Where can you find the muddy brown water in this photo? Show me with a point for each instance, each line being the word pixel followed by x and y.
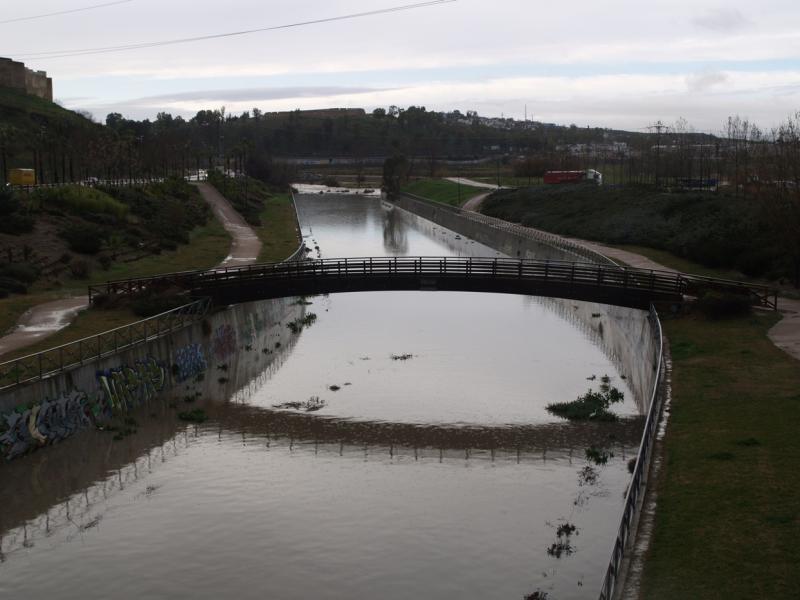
pixel 438 476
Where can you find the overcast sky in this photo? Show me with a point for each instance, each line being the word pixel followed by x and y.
pixel 614 63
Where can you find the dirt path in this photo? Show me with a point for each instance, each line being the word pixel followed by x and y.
pixel 475 203
pixel 246 246
pixel 45 319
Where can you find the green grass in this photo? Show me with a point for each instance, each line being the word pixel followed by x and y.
pixel 278 231
pixel 442 190
pixel 728 518
pixel 77 200
pixel 208 245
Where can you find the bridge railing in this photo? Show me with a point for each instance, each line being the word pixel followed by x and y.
pixel 578 273
pixel 40 365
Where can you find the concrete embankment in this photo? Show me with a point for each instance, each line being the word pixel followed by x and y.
pixel 211 359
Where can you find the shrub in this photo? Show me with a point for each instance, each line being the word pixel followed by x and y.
pixel 154 304
pixel 83 238
pixel 80 268
pixel 723 305
pixel 16 224
pixel 11 285
pixel 25 272
pixel 79 200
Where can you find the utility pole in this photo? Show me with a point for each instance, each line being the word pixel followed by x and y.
pixel 659 127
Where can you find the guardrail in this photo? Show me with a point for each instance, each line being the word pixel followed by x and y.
pixel 638 483
pixel 40 365
pixel 526 232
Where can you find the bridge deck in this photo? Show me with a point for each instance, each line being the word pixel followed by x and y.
pixel 575 280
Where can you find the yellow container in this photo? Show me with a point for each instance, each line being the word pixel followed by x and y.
pixel 22 177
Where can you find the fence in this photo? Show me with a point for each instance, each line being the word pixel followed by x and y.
pixel 638 484
pixel 40 365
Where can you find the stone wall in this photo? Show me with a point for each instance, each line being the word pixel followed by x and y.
pixel 15 75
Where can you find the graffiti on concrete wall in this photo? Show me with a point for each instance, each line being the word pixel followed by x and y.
pixel 46 423
pixel 126 387
pixel 118 391
pixel 223 342
pixel 190 361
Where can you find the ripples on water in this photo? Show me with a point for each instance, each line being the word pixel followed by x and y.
pixel 440 476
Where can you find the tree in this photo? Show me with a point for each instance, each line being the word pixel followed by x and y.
pixel 395 173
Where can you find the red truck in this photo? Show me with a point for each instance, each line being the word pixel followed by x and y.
pixel 573 176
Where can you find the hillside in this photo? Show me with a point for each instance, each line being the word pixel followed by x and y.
pixel 719 230
pixel 35 132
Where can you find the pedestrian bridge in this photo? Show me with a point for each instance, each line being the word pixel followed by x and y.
pixel 607 284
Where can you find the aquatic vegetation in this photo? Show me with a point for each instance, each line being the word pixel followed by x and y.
pixel 597 455
pixel 313 404
pixel 402 356
pixel 537 595
pixel 592 406
pixel 298 325
pixel 566 530
pixel 197 415
pixel 334 388
pixel 588 475
pixel 561 548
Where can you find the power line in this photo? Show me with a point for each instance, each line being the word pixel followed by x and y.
pixel 64 12
pixel 139 46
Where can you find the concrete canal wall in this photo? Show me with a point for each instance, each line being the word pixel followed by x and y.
pixel 626 335
pixel 211 359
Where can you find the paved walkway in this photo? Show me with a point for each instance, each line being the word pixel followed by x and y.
pixel 42 321
pixel 246 246
pixel 46 319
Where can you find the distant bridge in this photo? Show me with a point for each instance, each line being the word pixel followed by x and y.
pixel 621 286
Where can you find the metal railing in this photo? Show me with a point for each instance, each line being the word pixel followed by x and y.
pixel 661 284
pixel 638 483
pixel 40 365
pixel 536 235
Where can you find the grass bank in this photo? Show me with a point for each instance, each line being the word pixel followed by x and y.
pixel 442 190
pixel 728 518
pixel 719 231
pixel 278 231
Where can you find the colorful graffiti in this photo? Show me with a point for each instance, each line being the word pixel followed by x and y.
pixel 126 387
pixel 190 362
pixel 119 390
pixel 224 342
pixel 46 423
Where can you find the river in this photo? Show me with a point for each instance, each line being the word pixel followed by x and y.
pixel 397 447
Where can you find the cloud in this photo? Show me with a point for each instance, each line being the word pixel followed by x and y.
pixel 253 94
pixel 704 81
pixel 723 20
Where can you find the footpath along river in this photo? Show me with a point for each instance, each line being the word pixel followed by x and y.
pixel 397 447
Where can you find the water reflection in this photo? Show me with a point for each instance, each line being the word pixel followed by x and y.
pixel 436 477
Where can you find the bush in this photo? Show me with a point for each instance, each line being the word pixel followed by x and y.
pixel 83 238
pixel 723 305
pixel 79 200
pixel 80 268
pixel 16 224
pixel 14 286
pixel 154 304
pixel 25 272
